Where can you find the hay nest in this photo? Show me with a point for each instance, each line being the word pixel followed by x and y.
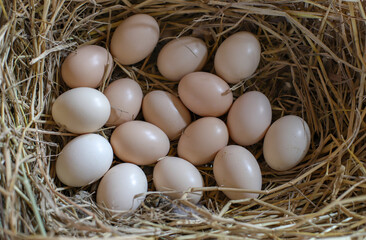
pixel 313 65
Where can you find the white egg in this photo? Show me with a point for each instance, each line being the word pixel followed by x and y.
pixel 120 186
pixel 81 110
pixel 84 160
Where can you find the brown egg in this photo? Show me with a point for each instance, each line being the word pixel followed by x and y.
pixel 249 118
pixel 166 111
pixel 237 57
pixel 86 67
pixel 182 56
pixel 177 175
pixel 236 167
pixel 134 39
pixel 139 142
pixel 205 94
pixel 125 96
pixel 202 139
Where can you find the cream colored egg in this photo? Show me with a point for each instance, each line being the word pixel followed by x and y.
pixel 122 188
pixel 237 57
pixel 236 167
pixel 182 56
pixel 125 96
pixel 134 39
pixel 177 175
pixel 249 118
pixel 166 111
pixel 139 142
pixel 286 142
pixel 202 139
pixel 81 110
pixel 84 160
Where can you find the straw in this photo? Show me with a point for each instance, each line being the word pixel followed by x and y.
pixel 312 65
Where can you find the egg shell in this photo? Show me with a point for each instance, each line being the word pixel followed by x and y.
pixel 249 118
pixel 84 160
pixel 87 66
pixel 125 96
pixel 237 57
pixel 166 111
pixel 81 110
pixel 202 139
pixel 134 39
pixel 178 175
pixel 286 142
pixel 118 189
pixel 139 142
pixel 182 56
pixel 235 167
pixel 205 94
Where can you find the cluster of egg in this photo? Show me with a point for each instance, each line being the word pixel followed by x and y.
pixel 84 110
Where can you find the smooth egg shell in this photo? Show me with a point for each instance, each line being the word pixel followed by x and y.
pixel 84 160
pixel 166 111
pixel 139 142
pixel 179 175
pixel 81 110
pixel 202 139
pixel 87 66
pixel 182 56
pixel 118 189
pixel 286 142
pixel 235 167
pixel 125 96
pixel 237 57
pixel 205 94
pixel 249 118
pixel 134 39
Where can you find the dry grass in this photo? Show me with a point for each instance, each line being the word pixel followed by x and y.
pixel 313 65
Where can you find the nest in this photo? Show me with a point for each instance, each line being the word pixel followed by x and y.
pixel 313 65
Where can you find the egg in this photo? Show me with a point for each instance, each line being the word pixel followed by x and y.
pixel 286 142
pixel 181 56
pixel 84 160
pixel 177 175
pixel 122 188
pixel 202 139
pixel 139 142
pixel 134 39
pixel 81 110
pixel 166 111
pixel 235 167
pixel 237 57
pixel 249 118
pixel 205 94
pixel 87 67
pixel 125 96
